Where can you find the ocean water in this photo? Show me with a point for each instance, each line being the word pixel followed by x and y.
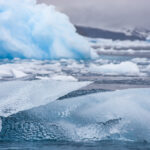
pixel 59 90
pixel 103 145
pixel 91 114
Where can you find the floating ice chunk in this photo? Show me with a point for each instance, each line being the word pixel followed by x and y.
pixel 11 70
pixel 21 95
pixel 147 68
pixel 140 60
pixel 42 78
pixel 5 73
pixel 118 43
pixel 124 68
pixel 63 78
pixel 131 51
pixel 18 74
pixel 118 115
pixel 30 30
pixel 132 106
pixel 58 77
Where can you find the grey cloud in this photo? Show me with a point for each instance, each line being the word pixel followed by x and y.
pixel 105 13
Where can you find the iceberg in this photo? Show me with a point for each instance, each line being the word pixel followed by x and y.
pixel 123 68
pixel 17 96
pixel 38 31
pixel 119 115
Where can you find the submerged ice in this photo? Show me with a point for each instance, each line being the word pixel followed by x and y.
pixel 30 30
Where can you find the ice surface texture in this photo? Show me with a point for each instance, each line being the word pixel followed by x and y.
pixel 30 30
pixel 120 115
pixel 21 95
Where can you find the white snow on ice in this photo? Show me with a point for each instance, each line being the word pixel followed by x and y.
pixel 123 68
pixel 21 95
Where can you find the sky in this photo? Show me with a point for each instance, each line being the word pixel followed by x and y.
pixel 112 14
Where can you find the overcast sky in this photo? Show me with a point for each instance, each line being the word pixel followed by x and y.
pixel 106 13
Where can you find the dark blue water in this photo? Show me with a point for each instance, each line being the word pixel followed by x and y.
pixel 47 145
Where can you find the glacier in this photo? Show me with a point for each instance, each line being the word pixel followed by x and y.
pixel 38 31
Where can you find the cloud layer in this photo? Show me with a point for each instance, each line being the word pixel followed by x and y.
pixel 106 13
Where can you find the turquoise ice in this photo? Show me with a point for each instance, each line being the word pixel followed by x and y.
pixel 38 31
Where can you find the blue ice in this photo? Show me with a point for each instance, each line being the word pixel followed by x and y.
pixel 38 31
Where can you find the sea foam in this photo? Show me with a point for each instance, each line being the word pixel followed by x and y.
pixel 39 31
